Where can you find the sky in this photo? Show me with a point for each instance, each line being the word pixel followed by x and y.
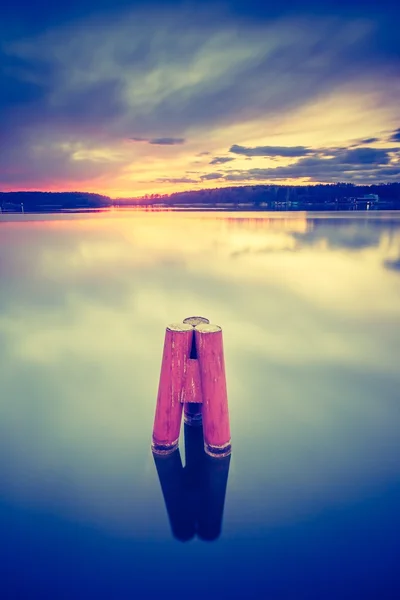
pixel 132 98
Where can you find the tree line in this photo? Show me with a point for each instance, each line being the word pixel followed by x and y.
pixel 270 197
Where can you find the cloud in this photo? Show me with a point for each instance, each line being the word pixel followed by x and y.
pixel 164 141
pixel 183 72
pixel 87 81
pixel 392 264
pixel 167 141
pixel 286 151
pixel 211 176
pixel 358 165
pixel 45 160
pixel 395 137
pixel 220 160
pixel 371 140
pixel 176 180
pixel 363 156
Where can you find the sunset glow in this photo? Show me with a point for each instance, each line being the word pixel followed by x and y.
pixel 136 100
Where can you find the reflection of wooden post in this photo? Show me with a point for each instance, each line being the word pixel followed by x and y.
pixel 167 421
pixel 195 495
pixel 209 346
pixel 181 513
pixel 212 498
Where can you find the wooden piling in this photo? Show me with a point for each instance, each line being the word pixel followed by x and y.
pixel 168 415
pixel 195 320
pixel 209 346
pixel 192 396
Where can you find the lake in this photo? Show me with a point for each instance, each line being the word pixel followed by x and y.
pixel 310 311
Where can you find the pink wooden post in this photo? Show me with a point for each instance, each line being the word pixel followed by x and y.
pixel 195 320
pixel 167 420
pixel 192 396
pixel 210 352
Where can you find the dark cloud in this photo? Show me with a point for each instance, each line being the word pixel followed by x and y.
pixel 317 174
pixel 358 165
pixel 134 49
pixel 395 137
pixel 288 151
pixel 89 106
pixel 220 160
pixel 16 86
pixel 371 140
pixel 167 141
pixel 392 264
pixel 363 156
pixel 93 71
pixel 211 176
pixel 45 13
pixel 164 141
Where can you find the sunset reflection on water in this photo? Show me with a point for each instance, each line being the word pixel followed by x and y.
pixel 311 318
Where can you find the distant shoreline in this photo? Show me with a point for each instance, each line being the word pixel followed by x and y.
pixel 199 209
pixel 269 198
pixel 234 213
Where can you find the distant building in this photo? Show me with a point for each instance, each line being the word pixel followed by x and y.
pixel 368 198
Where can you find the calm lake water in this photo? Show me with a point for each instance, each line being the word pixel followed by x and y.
pixel 310 309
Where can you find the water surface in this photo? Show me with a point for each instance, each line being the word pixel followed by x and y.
pixel 311 317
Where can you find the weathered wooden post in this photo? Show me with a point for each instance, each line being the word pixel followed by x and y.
pixel 192 375
pixel 192 397
pixel 195 320
pixel 168 416
pixel 210 352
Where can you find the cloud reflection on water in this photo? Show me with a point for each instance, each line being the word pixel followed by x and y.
pixel 311 322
